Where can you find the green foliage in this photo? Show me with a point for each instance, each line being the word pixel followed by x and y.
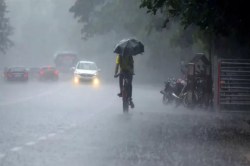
pixel 223 22
pixel 215 17
pixel 126 16
pixel 100 17
pixel 120 15
pixel 5 29
pixel 83 9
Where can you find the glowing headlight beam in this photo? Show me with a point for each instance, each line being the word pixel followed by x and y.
pixel 76 80
pixel 96 81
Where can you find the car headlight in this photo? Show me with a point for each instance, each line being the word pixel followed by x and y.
pixel 96 81
pixel 76 80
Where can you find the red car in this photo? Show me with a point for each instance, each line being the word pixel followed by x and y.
pixel 48 73
pixel 16 74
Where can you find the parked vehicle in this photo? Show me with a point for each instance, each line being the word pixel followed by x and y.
pixel 16 74
pixel 168 90
pixel 181 93
pixel 176 91
pixel 48 73
pixel 197 91
pixel 34 72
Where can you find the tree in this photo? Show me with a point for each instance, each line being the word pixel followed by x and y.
pixel 5 28
pixel 120 15
pixel 84 11
pixel 126 18
pixel 100 17
pixel 217 18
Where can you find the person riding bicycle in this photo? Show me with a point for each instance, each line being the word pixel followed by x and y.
pixel 126 66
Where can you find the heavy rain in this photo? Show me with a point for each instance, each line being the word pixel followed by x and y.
pixel 124 83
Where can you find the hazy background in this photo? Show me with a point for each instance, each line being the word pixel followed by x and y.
pixel 44 27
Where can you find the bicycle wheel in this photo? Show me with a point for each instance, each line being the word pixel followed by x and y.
pixel 125 101
pixel 125 106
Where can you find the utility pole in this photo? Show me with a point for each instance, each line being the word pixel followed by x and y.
pixel 210 47
pixel 211 42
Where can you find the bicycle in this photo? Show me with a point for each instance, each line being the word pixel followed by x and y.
pixel 125 90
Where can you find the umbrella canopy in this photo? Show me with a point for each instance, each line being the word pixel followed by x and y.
pixel 127 47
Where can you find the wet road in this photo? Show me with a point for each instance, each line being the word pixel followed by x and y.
pixel 58 123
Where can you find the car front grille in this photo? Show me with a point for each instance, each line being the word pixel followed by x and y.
pixel 86 75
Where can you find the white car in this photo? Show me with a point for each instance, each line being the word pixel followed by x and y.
pixel 86 71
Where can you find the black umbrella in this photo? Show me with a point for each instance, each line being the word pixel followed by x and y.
pixel 127 47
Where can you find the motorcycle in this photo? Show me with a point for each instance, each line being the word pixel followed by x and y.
pixel 168 90
pixel 183 95
pixel 179 92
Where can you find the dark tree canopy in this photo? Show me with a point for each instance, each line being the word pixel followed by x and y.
pixel 102 16
pixel 219 17
pixel 224 22
pixel 5 29
pixel 84 8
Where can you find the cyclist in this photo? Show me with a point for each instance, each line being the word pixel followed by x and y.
pixel 126 66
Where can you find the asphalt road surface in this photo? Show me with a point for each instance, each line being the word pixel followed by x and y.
pixel 62 124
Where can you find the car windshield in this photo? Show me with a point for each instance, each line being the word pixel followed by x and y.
pixel 48 68
pixel 17 69
pixel 34 69
pixel 87 66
